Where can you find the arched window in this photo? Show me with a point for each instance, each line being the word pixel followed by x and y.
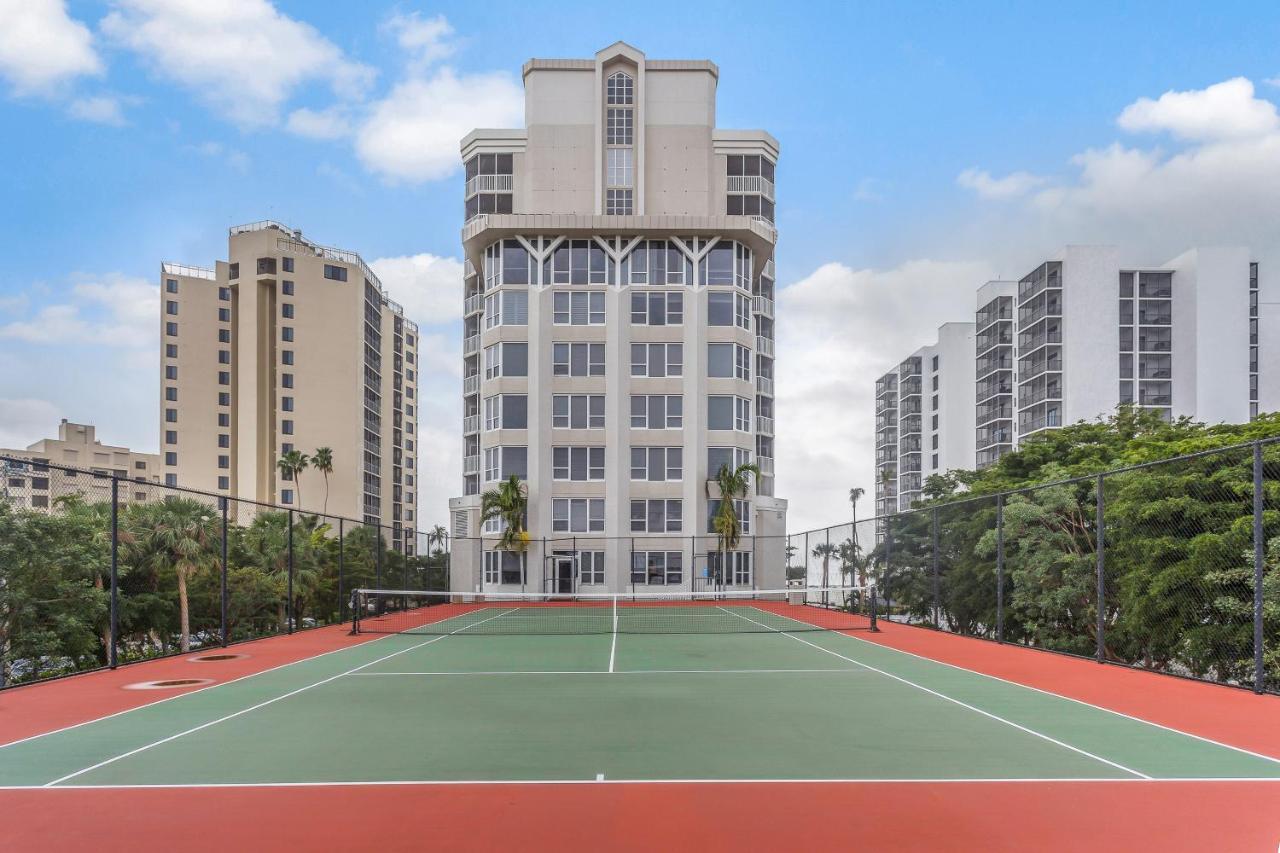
pixel 620 89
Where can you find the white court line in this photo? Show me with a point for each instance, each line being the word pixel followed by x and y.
pixel 355 783
pixel 218 684
pixel 613 672
pixel 613 649
pixel 1208 740
pixel 235 714
pixel 944 696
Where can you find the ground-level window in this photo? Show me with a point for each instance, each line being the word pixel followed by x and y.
pixel 738 570
pixel 503 567
pixel 657 567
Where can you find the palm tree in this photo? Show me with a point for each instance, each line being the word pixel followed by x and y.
pixel 732 483
pixel 826 551
pixel 178 535
pixel 291 466
pixel 507 503
pixel 440 537
pixel 854 495
pixel 322 461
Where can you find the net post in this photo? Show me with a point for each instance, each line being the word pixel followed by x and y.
pixel 289 603
pixel 826 561
pixel 1259 671
pixel 1101 558
pixel 342 601
pixel 1000 568
pixel 113 658
pixel 355 611
pixel 873 592
pixel 888 564
pixel 614 600
pixel 224 591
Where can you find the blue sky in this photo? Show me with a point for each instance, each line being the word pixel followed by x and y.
pixel 926 147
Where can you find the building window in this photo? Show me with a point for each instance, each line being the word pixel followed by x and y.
pixel 577 359
pixel 657 309
pixel 577 515
pixel 504 567
pixel 577 411
pixel 170 458
pixel 224 440
pixel 657 516
pixel 171 285
pixel 224 294
pixel 286 310
pixel 657 360
pixel 334 272
pixel 728 361
pixel 578 309
pixel 729 413
pixel 620 89
pixel 737 570
pixel 233 271
pixel 171 394
pixel 618 202
pixel 224 462
pixel 286 380
pixel 726 457
pixel 224 377
pixel 741 508
pixel 619 163
pixel 657 568
pixel 657 411
pixel 578 464
pixel 286 427
pixel 619 126
pixel 505 359
pixel 286 403
pixel 171 350
pixel 286 356
pixel 224 420
pixel 171 416
pixel 935 363
pixel 224 482
pixel 506 308
pixel 503 462
pixel 286 496
pixel 729 309
pixel 504 411
pixel 224 336
pixel 171 329
pixel 171 479
pixel 286 333
pixel 171 308
pixel 657 464
pixel 171 371
pixel 287 265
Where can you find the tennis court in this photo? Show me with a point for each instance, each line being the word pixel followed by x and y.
pixel 737 691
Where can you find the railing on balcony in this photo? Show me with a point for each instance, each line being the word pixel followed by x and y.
pixel 990 412
pixel 910 446
pixel 1028 370
pixel 471 465
pixel 1030 395
pixel 1003 336
pixel 910 407
pixel 910 388
pixel 471 345
pixel 766 465
pixel 1154 318
pixel 886 437
pixel 473 305
pixel 989 364
pixel 751 184
pixel 1155 399
pixel 764 385
pixel 471 385
pixel 762 305
pixel 764 425
pixel 1154 372
pixel 987 390
pixel 188 271
pixel 490 184
pixel 1048 421
pixel 1145 345
pixel 764 345
pixel 470 424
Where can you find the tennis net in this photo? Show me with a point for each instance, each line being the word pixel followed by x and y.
pixel 386 611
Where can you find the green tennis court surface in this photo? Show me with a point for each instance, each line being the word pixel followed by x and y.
pixel 613 706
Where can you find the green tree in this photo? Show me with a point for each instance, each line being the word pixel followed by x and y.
pixel 291 465
pixel 439 537
pixel 731 484
pixel 508 504
pixel 826 550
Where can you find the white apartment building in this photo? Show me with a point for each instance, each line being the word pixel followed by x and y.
pixel 995 371
pixel 618 332
pixel 925 417
pixel 290 345
pixel 29 482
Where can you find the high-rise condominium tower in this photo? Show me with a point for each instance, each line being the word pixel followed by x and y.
pixel 619 334
pixel 290 345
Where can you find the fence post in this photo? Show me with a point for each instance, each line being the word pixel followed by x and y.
pixel 1259 671
pixel 1000 568
pixel 1100 504
pixel 223 615
pixel 826 561
pixel 888 565
pixel 937 583
pixel 342 601
pixel 112 653
pixel 377 559
pixel 289 605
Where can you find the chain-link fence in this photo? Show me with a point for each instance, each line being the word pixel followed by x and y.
pixel 99 569
pixel 1170 566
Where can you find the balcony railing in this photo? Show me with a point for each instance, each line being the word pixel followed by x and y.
pixel 990 412
pixel 910 388
pixel 471 465
pixel 764 425
pixel 1030 395
pixel 473 305
pixel 1154 318
pixel 1030 369
pixel 188 271
pixel 766 465
pixel 490 184
pixel 762 305
pixel 910 407
pixel 470 424
pixel 751 184
pixel 764 345
pixel 471 345
pixel 991 363
pixel 471 385
pixel 1155 400
pixel 1145 345
pixel 764 385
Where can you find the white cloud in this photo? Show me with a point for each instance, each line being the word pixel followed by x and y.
pixel 1010 186
pixel 101 109
pixel 425 41
pixel 42 48
pixel 24 421
pixel 839 329
pixel 244 57
pixel 412 134
pixel 331 123
pixel 439 453
pixel 1226 110
pixel 428 286
pixel 114 310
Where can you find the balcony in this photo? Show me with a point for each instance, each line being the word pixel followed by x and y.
pixel 764 346
pixel 1155 399
pixel 910 407
pixel 470 465
pixel 910 445
pixel 751 184
pixel 993 362
pixel 886 437
pixel 1031 341
pixel 490 184
pixel 766 465
pixel 473 305
pixel 1029 369
pixel 909 368
pixel 762 305
pixel 471 345
pixel 910 388
pixel 989 389
pixel 764 425
pixel 471 385
pixel 1029 395
pixel 987 340
pixel 470 424
pixel 993 412
pixel 764 385
pixel 1154 318
pixel 886 385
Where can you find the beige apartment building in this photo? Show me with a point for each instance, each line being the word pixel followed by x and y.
pixel 290 345
pixel 618 331
pixel 29 482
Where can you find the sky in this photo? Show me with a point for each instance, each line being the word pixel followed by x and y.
pixel 926 148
